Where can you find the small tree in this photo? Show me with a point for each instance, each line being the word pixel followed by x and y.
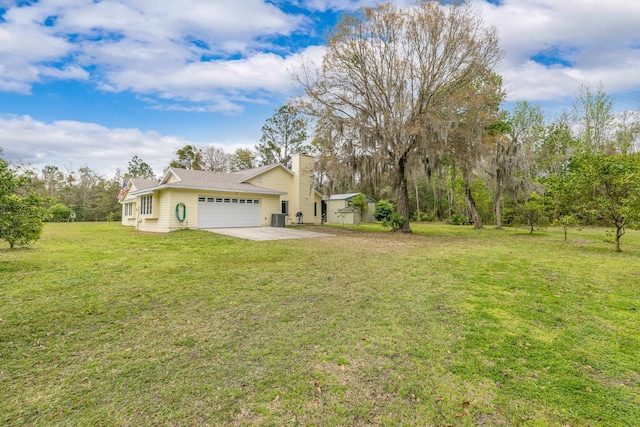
pixel 20 217
pixel 567 221
pixel 564 210
pixel 606 188
pixel 533 212
pixel 360 202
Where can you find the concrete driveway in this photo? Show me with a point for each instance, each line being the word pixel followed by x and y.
pixel 268 233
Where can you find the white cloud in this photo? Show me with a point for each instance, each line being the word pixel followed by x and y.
pixel 152 48
pixel 203 81
pixel 72 144
pixel 345 5
pixel 208 55
pixel 23 52
pixel 597 42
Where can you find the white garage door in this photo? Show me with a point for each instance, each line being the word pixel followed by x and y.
pixel 220 212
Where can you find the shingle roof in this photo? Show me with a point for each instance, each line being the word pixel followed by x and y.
pixel 143 184
pixel 342 196
pixel 350 196
pixel 205 180
pixel 250 173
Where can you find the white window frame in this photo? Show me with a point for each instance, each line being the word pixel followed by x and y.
pixel 128 209
pixel 146 205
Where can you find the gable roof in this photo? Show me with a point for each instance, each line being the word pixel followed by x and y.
pixel 247 174
pixel 349 196
pixel 143 184
pixel 205 180
pixel 136 186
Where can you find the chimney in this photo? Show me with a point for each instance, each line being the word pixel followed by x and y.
pixel 303 166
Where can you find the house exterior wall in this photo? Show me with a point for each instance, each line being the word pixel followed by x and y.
pixel 334 217
pixel 166 200
pixel 332 211
pixel 298 184
pixel 304 194
pixel 367 216
pixel 154 221
pixel 129 220
pixel 317 208
pixel 351 218
pixel 171 179
pixel 297 188
pixel 276 179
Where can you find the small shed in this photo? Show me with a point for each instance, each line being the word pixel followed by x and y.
pixel 340 211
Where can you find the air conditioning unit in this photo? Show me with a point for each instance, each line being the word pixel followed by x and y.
pixel 278 220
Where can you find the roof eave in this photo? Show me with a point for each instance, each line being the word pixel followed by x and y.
pixel 257 190
pixel 260 172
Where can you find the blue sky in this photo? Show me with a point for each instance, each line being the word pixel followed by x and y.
pixel 91 83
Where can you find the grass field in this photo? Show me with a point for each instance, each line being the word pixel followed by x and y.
pixel 100 325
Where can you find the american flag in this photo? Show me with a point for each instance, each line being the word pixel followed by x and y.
pixel 123 191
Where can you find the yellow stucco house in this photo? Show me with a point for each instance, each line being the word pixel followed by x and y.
pixel 200 199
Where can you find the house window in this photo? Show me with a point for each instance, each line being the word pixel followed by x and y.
pixel 128 209
pixel 146 205
pixel 285 207
pixel 315 208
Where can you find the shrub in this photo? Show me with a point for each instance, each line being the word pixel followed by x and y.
pixel 21 219
pixel 383 210
pixel 457 219
pixel 395 221
pixel 59 213
pixel 386 213
pixel 423 216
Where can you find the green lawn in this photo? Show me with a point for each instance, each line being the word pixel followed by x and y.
pixel 100 325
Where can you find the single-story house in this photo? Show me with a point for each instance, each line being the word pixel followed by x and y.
pixel 340 211
pixel 201 199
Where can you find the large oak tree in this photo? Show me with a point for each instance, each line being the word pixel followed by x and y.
pixel 389 79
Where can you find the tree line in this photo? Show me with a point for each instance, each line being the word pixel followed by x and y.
pixel 283 134
pixel 407 107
